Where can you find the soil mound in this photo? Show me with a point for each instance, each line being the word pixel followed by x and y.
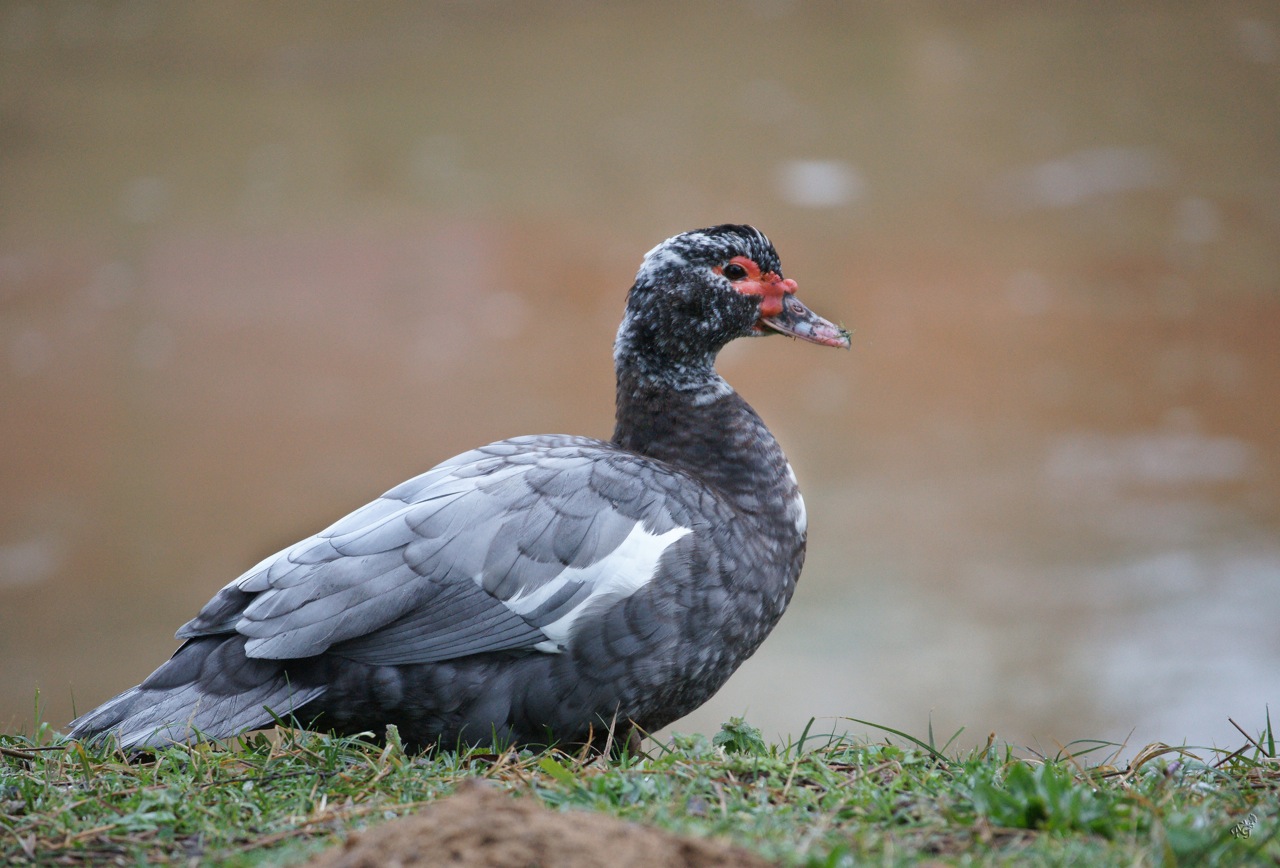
pixel 483 827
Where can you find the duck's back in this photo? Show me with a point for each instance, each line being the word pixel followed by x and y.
pixel 536 586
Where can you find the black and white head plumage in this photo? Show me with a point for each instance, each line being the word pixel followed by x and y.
pixel 681 311
pixel 711 246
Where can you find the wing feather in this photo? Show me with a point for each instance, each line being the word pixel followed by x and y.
pixel 502 548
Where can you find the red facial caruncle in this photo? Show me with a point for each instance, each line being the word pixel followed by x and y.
pixel 769 286
pixel 780 310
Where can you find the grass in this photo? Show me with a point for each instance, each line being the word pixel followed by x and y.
pixel 818 801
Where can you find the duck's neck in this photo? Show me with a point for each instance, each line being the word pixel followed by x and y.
pixel 698 423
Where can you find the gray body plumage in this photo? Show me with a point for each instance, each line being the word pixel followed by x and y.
pixel 534 590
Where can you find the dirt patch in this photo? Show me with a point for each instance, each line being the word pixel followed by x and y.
pixel 482 827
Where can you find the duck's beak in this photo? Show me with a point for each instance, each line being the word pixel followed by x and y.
pixel 799 322
pixel 781 311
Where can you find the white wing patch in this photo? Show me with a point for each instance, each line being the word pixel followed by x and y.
pixel 625 570
pixel 795 509
pixel 796 512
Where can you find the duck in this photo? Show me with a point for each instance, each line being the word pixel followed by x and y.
pixel 541 590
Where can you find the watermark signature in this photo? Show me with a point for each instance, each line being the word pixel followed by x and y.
pixel 1245 827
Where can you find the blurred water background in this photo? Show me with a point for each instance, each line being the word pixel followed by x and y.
pixel 259 264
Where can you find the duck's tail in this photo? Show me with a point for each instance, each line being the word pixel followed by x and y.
pixel 209 688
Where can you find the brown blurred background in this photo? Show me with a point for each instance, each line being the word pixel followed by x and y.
pixel 259 264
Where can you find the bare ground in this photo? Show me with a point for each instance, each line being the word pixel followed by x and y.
pixel 480 826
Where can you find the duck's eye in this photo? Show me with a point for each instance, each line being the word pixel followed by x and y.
pixel 734 271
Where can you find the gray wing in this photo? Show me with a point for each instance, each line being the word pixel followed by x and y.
pixel 501 548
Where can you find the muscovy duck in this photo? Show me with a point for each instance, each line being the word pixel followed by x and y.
pixel 538 590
